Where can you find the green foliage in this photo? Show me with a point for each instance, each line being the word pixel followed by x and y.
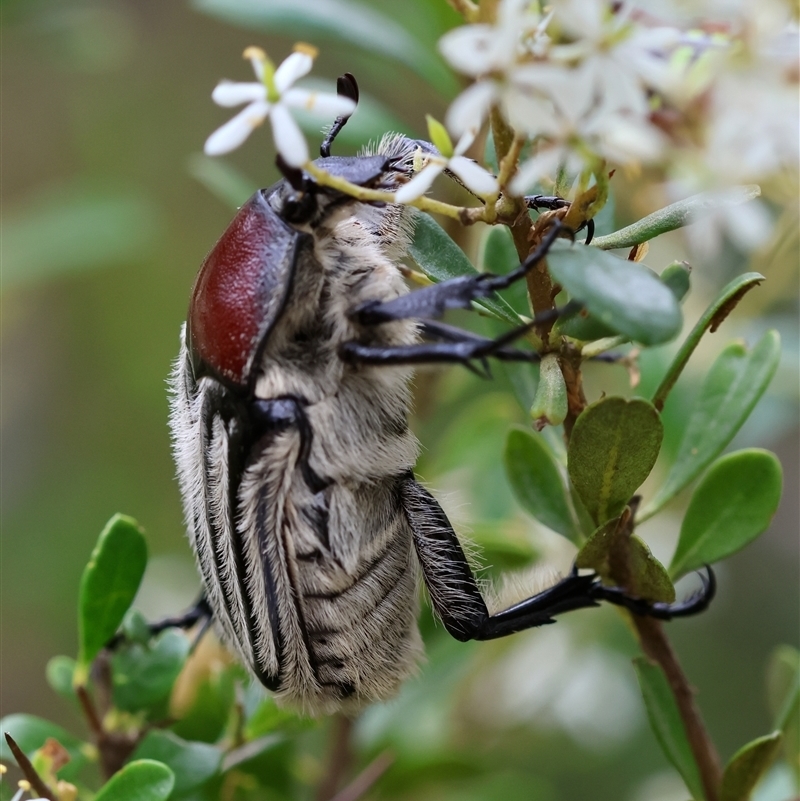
pixel 665 721
pixel 440 258
pixel 676 215
pixel 144 673
pixel 623 296
pixel 143 780
pixel 613 448
pixel 747 766
pixel 730 507
pixel 537 482
pixel 649 578
pixel 738 378
pixel 108 586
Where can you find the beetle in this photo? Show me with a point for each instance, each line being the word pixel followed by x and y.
pixel 289 418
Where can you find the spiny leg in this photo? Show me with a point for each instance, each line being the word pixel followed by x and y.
pixel 457 599
pixel 551 203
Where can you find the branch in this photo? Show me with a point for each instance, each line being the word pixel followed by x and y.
pixel 366 779
pixel 340 757
pixel 657 647
pixel 35 781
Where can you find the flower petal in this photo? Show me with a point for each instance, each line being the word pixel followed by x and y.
pixel 230 93
pixel 471 106
pixel 236 130
pixel 289 139
pixel 325 104
pixel 291 69
pixel 545 162
pixel 469 49
pixel 475 178
pixel 420 183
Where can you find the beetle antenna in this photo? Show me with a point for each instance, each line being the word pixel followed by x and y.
pixel 346 86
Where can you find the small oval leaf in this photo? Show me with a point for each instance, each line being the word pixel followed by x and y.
pixel 537 483
pixel 440 258
pixel 143 675
pixel 648 577
pixel 31 732
pixel 624 296
pixel 731 506
pixel 192 763
pixel 108 586
pixel 677 277
pixel 747 766
pixel 59 673
pixel 733 386
pixel 549 407
pixel 665 721
pixel 143 780
pixel 613 448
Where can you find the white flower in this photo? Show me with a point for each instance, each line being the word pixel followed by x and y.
pixel 473 176
pixel 273 96
pixel 493 53
pixel 480 49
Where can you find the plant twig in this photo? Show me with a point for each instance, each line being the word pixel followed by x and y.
pixel 657 647
pixel 367 778
pixel 466 8
pixel 340 757
pixel 34 779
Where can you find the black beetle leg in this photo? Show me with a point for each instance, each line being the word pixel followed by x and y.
pixel 698 602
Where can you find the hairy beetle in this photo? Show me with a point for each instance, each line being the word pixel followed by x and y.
pixel 293 449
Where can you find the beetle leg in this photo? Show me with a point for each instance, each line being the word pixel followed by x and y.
pixel 455 293
pixel 457 599
pixel 551 202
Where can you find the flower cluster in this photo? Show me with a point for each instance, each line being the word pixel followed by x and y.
pixel 590 85
pixel 592 82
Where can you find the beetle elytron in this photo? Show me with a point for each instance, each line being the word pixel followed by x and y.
pixel 289 420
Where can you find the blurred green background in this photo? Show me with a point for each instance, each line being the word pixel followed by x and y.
pixel 107 214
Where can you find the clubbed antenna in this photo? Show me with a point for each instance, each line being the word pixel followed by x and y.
pixel 346 86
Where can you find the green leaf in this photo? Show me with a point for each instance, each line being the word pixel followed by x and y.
pixel 143 780
pixel 549 407
pixel 537 482
pixel 665 721
pixel 59 672
pixel 143 675
pixel 31 732
pixel 613 448
pixel 440 258
pixel 676 215
pixel 192 763
pixel 648 577
pixel 108 586
pixel 268 717
pixel 583 327
pixel 721 307
pixel 747 766
pixel 737 379
pixel 783 697
pixel 353 22
pixel 623 295
pixel 730 507
pixel 499 256
pixel 677 277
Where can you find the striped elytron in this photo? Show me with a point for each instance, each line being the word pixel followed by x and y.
pixel 289 418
